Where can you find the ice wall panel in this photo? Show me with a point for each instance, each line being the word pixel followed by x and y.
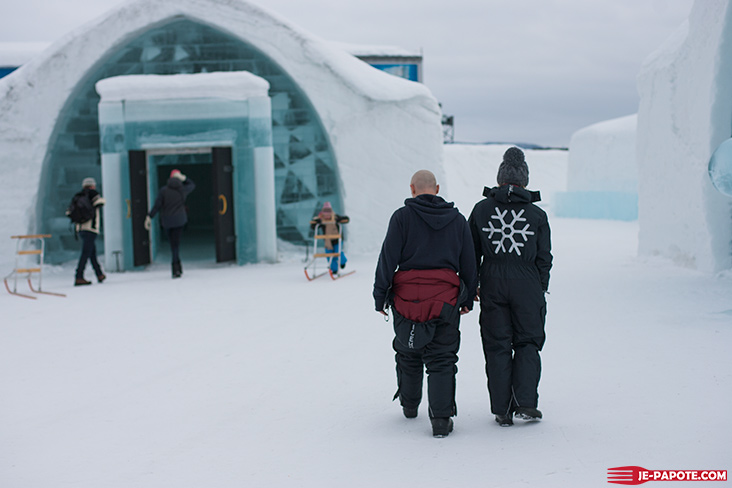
pixel 596 205
pixel 114 212
pixel 176 110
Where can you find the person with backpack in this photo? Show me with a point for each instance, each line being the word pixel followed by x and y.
pixel 84 214
pixel 171 203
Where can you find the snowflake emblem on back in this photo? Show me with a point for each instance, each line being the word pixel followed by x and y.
pixel 507 231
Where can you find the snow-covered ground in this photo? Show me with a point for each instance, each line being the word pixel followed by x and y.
pixel 252 376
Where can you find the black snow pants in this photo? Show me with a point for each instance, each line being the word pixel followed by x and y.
pixel 512 318
pixel 433 344
pixel 174 237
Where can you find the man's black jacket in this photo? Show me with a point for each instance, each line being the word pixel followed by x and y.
pixel 426 233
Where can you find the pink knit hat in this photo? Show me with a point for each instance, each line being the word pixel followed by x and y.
pixel 327 210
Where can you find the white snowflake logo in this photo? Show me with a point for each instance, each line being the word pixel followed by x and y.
pixel 507 232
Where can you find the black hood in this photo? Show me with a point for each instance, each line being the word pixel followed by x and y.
pixel 434 210
pixel 175 183
pixel 512 194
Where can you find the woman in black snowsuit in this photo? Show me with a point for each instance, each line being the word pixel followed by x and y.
pixel 171 203
pixel 513 249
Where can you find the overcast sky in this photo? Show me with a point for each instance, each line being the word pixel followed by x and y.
pixel 508 70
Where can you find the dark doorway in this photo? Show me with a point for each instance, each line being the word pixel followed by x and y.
pixel 138 207
pixel 198 241
pixel 210 232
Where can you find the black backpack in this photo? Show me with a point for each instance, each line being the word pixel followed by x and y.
pixel 80 209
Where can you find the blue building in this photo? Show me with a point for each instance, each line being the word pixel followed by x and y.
pixel 393 60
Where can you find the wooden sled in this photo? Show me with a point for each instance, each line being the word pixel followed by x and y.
pixel 29 271
pixel 311 272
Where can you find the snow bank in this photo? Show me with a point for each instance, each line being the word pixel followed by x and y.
pixel 602 156
pixel 602 177
pixel 684 115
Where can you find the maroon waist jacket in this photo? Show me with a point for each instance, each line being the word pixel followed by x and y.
pixel 419 294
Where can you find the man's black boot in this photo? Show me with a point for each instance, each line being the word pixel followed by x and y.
pixel 441 427
pixel 410 412
pixel 504 420
pixel 527 413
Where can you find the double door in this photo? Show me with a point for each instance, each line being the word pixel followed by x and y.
pixel 221 180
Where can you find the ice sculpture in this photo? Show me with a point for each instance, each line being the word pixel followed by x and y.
pixel 720 168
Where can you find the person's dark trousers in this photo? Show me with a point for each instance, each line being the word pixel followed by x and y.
pixel 174 237
pixel 512 329
pixel 88 253
pixel 440 359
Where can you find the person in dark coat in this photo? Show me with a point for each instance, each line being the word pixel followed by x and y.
pixel 171 203
pixel 427 274
pixel 88 231
pixel 513 249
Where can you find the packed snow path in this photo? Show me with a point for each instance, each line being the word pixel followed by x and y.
pixel 252 376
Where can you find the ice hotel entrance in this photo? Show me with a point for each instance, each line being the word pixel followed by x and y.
pixel 337 126
pixel 214 127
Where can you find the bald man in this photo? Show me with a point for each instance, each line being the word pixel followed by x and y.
pixel 427 275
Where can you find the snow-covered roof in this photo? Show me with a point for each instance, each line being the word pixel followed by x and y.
pixel 365 50
pixel 233 85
